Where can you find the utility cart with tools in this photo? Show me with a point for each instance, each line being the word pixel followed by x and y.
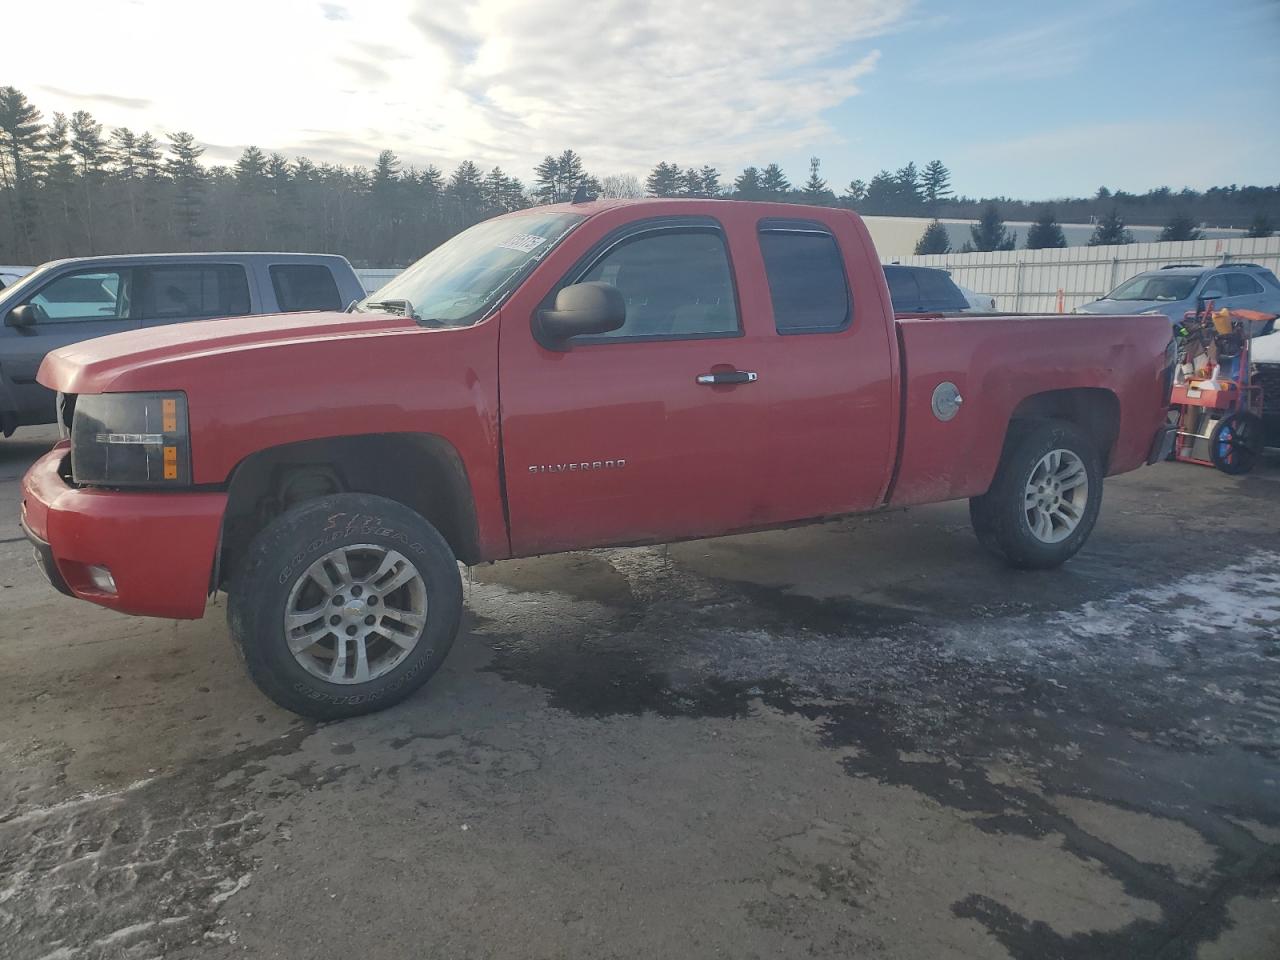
pixel 1219 406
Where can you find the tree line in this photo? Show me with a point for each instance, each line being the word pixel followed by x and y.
pixel 71 188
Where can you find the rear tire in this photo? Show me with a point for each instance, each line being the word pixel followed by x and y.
pixel 345 605
pixel 1045 497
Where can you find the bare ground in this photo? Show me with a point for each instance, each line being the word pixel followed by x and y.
pixel 858 739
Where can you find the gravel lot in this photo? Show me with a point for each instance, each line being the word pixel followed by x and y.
pixel 860 739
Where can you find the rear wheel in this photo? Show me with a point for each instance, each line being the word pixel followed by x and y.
pixel 1044 499
pixel 1235 444
pixel 345 605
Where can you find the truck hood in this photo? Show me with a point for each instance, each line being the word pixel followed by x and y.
pixel 94 365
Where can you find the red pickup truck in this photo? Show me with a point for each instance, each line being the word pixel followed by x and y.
pixel 564 377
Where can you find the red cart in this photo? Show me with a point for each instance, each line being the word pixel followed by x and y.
pixel 1219 420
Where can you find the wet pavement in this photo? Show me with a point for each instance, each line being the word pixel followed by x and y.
pixel 864 738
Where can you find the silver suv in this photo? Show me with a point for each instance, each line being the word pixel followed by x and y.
pixel 1175 289
pixel 67 301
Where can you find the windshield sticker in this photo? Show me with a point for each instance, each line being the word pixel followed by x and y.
pixel 524 242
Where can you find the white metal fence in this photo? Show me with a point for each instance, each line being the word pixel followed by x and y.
pixel 1034 281
pixel 375 278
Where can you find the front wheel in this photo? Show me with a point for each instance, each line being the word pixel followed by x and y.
pixel 1045 498
pixel 345 605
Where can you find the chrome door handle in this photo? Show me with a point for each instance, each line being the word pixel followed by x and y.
pixel 729 377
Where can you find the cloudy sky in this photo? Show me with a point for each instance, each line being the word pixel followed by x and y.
pixel 1021 99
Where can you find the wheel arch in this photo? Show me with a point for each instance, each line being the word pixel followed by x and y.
pixel 1094 410
pixel 423 471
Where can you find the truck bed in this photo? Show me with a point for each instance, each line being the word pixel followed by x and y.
pixel 1009 365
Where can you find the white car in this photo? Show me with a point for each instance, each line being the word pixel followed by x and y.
pixel 1265 354
pixel 978 302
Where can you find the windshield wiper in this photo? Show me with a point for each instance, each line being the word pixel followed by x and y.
pixel 404 308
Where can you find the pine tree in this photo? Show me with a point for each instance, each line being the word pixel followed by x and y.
pixel 1110 230
pixel 855 192
pixel 91 157
pixel 546 177
pixel 19 139
pixel 124 155
pixel 278 172
pixel 989 232
pixel 60 181
pixel 189 180
pixel 150 163
pixel 815 188
pixel 907 180
pixel 574 176
pixel 710 181
pixel 1180 227
pixel 282 228
pixel 386 171
pixel 465 186
pixel 1046 232
pixel 20 163
pixel 773 182
pixel 747 185
pixel 882 193
pixel 691 183
pixel 664 180
pixel 86 143
pixel 934 239
pixel 936 182
pixel 251 168
pixel 558 178
pixel 1261 226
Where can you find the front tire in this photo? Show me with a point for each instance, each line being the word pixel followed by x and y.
pixel 1045 497
pixel 345 605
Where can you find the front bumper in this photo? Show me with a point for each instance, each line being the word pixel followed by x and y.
pixel 158 546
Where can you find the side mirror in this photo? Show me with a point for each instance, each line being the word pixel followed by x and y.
pixel 23 316
pixel 1212 293
pixel 582 309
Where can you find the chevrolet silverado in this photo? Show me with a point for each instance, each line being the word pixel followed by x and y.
pixel 561 378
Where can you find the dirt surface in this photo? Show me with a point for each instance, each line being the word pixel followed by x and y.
pixel 861 739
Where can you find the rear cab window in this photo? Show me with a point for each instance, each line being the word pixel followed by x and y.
pixel 192 291
pixel 807 282
pixel 304 286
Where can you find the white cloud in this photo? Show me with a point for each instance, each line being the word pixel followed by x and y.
pixel 624 82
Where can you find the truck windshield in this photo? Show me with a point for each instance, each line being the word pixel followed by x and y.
pixel 1153 286
pixel 461 281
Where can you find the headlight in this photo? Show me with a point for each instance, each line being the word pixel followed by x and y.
pixel 131 440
